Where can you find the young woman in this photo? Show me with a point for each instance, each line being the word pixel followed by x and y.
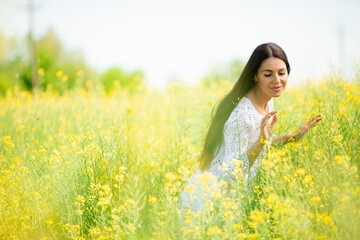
pixel 243 122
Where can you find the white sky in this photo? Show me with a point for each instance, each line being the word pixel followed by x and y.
pixel 166 38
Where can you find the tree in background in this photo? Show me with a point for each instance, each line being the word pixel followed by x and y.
pixel 60 68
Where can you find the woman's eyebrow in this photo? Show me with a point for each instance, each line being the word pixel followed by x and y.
pixel 268 70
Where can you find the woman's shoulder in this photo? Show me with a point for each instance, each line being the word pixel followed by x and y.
pixel 244 105
pixel 244 108
pixel 242 112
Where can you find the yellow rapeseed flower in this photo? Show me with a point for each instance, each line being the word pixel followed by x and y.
pixel 49 222
pixel 88 83
pixel 318 154
pixel 59 73
pixel 272 200
pixel 205 178
pixel 80 198
pixel 8 142
pixel 103 201
pixel 170 177
pixel 308 181
pixel 152 200
pixel 345 198
pixel 106 189
pixel 95 231
pixel 79 212
pixel 131 227
pixel 337 138
pixel 339 160
pixel 130 201
pixel 236 226
pixel 300 172
pixel 214 230
pixel 17 160
pixel 41 72
pixel 190 188
pixel 314 200
pixel 256 216
pixel 171 188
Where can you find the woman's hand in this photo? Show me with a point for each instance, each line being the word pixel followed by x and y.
pixel 299 133
pixel 306 126
pixel 267 128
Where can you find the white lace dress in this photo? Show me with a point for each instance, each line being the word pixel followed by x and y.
pixel 240 131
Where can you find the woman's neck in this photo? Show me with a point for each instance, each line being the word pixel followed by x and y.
pixel 258 99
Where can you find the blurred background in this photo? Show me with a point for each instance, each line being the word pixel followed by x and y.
pixel 53 44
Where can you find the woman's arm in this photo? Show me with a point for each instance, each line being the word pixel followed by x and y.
pixel 254 151
pixel 297 134
pixel 267 128
pixel 286 137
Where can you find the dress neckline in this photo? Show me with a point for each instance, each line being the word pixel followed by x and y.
pixel 252 105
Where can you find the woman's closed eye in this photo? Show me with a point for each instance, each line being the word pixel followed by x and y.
pixel 268 75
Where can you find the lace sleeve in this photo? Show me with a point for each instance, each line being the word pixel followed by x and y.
pixel 236 136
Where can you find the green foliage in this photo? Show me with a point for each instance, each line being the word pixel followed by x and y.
pixel 4 83
pixel 115 77
pixel 9 63
pixel 60 69
pixel 49 48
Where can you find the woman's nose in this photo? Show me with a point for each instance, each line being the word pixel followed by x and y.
pixel 277 78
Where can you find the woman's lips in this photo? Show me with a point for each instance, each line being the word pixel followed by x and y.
pixel 278 88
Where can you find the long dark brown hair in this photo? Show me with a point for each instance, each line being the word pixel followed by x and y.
pixel 223 109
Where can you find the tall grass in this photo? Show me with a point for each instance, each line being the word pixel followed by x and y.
pixel 85 165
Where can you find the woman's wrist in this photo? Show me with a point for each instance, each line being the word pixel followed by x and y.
pixel 264 140
pixel 297 134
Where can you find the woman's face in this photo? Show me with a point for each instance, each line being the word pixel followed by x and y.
pixel 271 77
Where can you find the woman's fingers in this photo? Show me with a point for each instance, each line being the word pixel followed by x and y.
pixel 318 117
pixel 315 120
pixel 266 122
pixel 267 116
pixel 275 118
pixel 271 113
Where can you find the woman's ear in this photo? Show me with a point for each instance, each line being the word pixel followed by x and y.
pixel 255 79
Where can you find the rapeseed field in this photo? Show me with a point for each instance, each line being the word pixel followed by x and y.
pixel 90 165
